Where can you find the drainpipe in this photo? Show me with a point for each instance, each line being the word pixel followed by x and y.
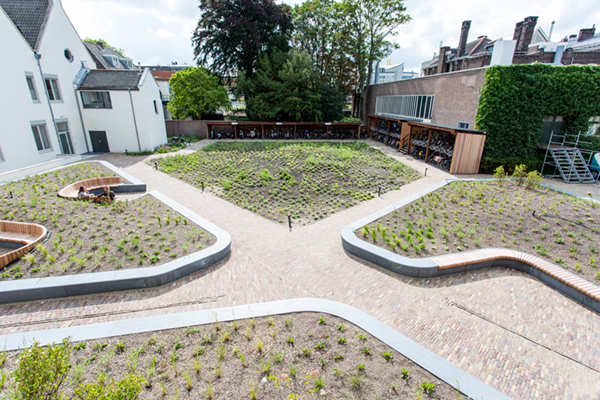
pixel 37 57
pixel 87 146
pixel 134 121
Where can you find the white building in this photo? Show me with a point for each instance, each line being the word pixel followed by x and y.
pixel 121 110
pixel 40 115
pixel 391 73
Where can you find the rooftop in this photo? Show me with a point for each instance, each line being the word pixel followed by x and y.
pixel 110 80
pixel 29 16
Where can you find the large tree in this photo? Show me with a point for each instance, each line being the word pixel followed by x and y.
pixel 232 33
pixel 195 91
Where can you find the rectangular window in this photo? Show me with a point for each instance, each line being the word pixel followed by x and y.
pixel 52 87
pixel 41 137
pixel 409 106
pixel 155 107
pixel 464 125
pixel 96 100
pixel 31 86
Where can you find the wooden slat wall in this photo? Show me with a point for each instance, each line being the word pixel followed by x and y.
pixel 467 153
pixel 28 234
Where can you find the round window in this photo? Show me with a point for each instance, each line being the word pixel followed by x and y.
pixel 68 55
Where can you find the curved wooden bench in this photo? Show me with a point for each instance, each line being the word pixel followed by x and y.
pixel 483 255
pixel 30 235
pixel 71 191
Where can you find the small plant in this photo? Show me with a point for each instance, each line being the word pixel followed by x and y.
pixel 188 380
pixel 259 346
pixel 361 367
pixel 277 358
pixel 288 323
pixel 427 387
pixel 405 373
pixel 341 328
pixel 265 367
pixel 339 357
pixel 387 355
pixel 290 340
pixel 320 346
pixel 252 391
pixel 367 351
pixel 322 320
pixel 306 352
pixel 293 369
pixel 342 340
pixel 356 381
pixel 362 337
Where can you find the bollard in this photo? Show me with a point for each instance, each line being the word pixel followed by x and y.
pixel 11 195
pixel 202 183
pixel 425 171
pixel 290 222
pixel 126 153
pixel 533 215
pixel 379 194
pixel 155 165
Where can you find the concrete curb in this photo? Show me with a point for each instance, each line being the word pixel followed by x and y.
pixel 428 268
pixel 138 278
pixel 428 360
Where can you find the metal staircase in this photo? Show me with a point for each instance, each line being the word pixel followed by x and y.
pixel 572 166
pixel 568 160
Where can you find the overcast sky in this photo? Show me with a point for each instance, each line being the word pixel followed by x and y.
pixel 159 31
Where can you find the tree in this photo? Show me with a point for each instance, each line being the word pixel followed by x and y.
pixel 194 91
pixel 231 34
pixel 104 44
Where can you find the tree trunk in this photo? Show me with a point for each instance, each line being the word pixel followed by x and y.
pixel 366 91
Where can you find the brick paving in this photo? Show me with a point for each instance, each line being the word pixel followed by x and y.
pixel 500 325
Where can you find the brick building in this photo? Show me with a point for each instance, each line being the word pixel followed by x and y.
pixel 528 45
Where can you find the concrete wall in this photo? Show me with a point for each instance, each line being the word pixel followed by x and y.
pixel 456 94
pixel 18 110
pixel 186 128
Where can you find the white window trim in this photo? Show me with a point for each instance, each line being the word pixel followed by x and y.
pixel 42 123
pixel 55 78
pixel 29 75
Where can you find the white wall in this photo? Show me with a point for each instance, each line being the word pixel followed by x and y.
pixel 17 109
pixel 153 131
pixel 503 52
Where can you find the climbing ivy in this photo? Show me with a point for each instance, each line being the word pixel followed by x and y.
pixel 515 99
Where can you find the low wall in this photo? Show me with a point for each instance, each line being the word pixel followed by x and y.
pixel 186 128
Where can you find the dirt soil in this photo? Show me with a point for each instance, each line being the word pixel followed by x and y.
pixel 279 370
pixel 462 216
pixel 306 180
pixel 90 237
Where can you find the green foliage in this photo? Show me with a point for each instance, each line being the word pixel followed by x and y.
pixel 195 91
pixel 533 162
pixel 41 371
pixel 104 44
pixel 516 98
pixel 127 388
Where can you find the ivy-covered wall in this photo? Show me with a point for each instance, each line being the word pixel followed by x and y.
pixel 515 99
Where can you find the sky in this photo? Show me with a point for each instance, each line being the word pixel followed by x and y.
pixel 159 31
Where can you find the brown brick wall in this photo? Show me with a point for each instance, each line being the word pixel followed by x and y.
pixel 456 94
pixel 186 128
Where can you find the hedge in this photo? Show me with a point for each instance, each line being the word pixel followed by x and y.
pixel 515 99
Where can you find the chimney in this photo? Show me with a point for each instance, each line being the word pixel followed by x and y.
pixel 527 30
pixel 442 65
pixel 464 33
pixel 586 33
pixel 517 33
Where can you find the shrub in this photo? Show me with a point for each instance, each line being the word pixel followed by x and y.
pixel 41 371
pixel 127 388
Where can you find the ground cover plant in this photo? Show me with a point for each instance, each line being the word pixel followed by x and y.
pixel 294 356
pixel 91 237
pixel 308 181
pixel 502 213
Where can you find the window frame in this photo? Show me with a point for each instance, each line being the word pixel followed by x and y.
pixel 462 125
pixel 53 89
pixel 29 78
pixel 90 104
pixel 35 129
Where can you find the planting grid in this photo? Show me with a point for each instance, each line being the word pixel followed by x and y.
pixel 91 237
pixel 307 181
pixel 471 215
pixel 500 325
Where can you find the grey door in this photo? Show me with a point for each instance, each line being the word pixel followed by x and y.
pixel 99 142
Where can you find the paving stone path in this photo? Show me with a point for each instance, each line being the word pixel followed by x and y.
pixel 500 325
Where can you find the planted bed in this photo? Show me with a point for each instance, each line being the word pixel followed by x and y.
pixel 308 181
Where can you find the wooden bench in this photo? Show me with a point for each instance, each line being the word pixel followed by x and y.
pixel 30 235
pixel 71 191
pixel 472 257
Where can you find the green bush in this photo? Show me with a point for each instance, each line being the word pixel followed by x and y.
pixel 533 162
pixel 41 371
pixel 127 388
